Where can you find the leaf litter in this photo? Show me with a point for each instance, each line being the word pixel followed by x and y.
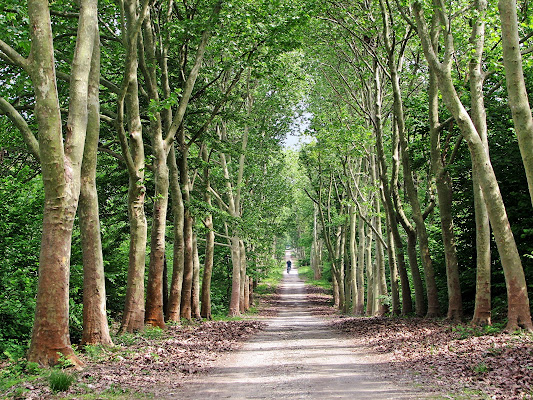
pixel 446 356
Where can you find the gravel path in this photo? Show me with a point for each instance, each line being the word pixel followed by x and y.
pixel 298 356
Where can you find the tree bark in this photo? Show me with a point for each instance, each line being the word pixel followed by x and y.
pixel 61 168
pixel 444 195
pixel 209 246
pixel 516 87
pixel 95 326
pixel 482 307
pixel 195 306
pixel 133 151
pixel 188 254
pixel 234 305
pixel 178 213
pixel 154 313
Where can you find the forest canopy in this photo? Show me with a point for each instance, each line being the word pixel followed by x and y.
pixel 145 176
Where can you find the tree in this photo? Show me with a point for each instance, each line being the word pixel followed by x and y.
pixel 518 301
pixel 516 87
pixel 61 167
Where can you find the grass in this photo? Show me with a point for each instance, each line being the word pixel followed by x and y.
pixel 269 284
pixel 467 331
pixel 60 381
pixel 307 273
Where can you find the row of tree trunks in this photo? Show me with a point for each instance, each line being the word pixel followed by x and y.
pixel 518 301
pixel 61 163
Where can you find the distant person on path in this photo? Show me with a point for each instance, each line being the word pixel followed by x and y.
pixel 289 265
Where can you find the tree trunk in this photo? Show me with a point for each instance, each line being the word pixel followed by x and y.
pixel 516 87
pixel 482 307
pixel 95 326
pixel 444 195
pixel 359 307
pixel 353 258
pixel 369 265
pixel 154 315
pixel 380 285
pixel 316 247
pixel 247 293
pixel 412 194
pixel 251 292
pixel 234 306
pixel 61 169
pixel 178 212
pixel 195 306
pixel 242 293
pixel 188 253
pixel 209 246
pixel 133 151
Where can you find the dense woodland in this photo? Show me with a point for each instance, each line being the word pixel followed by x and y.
pixel 145 180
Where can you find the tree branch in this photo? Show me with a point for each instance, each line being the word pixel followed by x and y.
pixel 14 56
pixel 22 125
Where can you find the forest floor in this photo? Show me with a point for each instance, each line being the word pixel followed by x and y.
pixel 299 347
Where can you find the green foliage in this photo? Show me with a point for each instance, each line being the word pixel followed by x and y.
pixel 308 275
pixel 16 372
pixel 21 202
pixel 269 284
pixel 60 381
pixel 467 331
pixel 480 368
pixel 152 332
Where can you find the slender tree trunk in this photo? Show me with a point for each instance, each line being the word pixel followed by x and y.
pixel 393 270
pixel 316 247
pixel 412 193
pixel 209 246
pixel 482 308
pixel 397 215
pixel 196 280
pixel 247 293
pixel 335 285
pixel 234 306
pixel 251 292
pixel 178 212
pixel 369 265
pixel 380 285
pixel 516 87
pixel 95 326
pixel 165 286
pixel 133 151
pixel 444 195
pixel 188 253
pixel 360 272
pixel 242 301
pixel 353 258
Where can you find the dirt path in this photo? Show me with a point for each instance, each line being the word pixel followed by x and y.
pixel 297 357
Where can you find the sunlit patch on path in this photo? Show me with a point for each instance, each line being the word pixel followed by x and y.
pixel 298 356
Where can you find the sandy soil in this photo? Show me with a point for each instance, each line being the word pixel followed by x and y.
pixel 298 356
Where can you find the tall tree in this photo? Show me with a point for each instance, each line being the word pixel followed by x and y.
pixel 61 160
pixel 516 87
pixel 518 301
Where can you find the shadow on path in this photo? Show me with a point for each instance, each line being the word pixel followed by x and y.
pixel 296 357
